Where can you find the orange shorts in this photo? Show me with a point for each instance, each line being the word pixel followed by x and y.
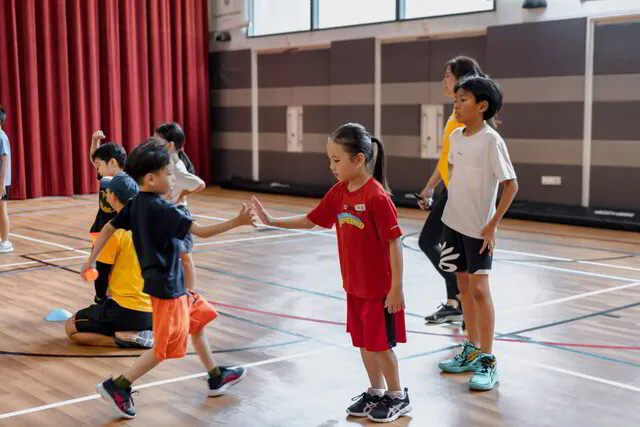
pixel 175 319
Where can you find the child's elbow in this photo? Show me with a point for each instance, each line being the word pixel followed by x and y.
pixel 515 186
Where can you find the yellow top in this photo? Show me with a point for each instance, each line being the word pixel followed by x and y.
pixel 443 163
pixel 125 281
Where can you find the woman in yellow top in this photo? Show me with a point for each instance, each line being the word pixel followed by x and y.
pixel 431 234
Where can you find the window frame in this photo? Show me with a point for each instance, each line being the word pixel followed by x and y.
pixel 314 18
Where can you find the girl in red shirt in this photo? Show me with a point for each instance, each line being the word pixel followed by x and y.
pixel 360 207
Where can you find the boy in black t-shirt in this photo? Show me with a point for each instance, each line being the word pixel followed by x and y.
pixel 158 228
pixel 109 160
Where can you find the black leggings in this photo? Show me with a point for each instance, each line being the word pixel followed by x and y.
pixel 430 243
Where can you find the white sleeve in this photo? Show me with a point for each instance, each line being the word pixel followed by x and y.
pixel 185 180
pixel 501 163
pixel 452 144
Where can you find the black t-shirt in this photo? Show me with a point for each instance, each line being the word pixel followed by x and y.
pixel 158 227
pixel 105 212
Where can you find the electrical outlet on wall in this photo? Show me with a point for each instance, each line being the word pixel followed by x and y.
pixel 551 180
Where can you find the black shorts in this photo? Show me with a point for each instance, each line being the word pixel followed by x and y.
pixel 187 242
pixel 461 254
pixel 6 192
pixel 108 318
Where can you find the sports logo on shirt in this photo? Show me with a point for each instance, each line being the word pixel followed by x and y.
pixel 446 257
pixel 347 218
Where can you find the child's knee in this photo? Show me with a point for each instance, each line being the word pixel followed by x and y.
pixel 70 327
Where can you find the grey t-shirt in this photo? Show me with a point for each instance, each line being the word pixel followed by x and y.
pixel 480 162
pixel 5 149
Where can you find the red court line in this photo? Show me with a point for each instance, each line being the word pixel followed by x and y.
pixel 331 322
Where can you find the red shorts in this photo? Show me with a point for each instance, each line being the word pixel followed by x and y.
pixel 371 326
pixel 175 319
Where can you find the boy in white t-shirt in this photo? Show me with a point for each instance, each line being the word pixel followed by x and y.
pixel 186 183
pixel 471 221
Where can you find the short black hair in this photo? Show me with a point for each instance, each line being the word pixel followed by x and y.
pixel 3 115
pixel 484 89
pixel 110 150
pixel 150 156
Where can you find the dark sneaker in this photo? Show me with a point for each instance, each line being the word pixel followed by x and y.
pixel 390 408
pixel 142 339
pixel 119 398
pixel 227 378
pixel 444 313
pixel 365 403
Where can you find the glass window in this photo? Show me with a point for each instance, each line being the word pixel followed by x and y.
pixel 427 8
pixel 280 16
pixel 340 13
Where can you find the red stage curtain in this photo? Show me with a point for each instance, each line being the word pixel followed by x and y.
pixel 69 67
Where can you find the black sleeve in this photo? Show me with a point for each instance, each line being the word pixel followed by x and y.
pixel 174 221
pixel 102 282
pixel 122 220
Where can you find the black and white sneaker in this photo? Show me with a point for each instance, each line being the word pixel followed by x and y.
pixel 228 377
pixel 119 398
pixel 445 313
pixel 390 408
pixel 365 403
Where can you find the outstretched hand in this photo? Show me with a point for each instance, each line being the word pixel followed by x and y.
pixel 261 211
pixel 246 216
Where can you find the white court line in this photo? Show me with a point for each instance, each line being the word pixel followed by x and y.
pixel 44 242
pixel 158 383
pixel 554 258
pixel 549 257
pixel 600 264
pixel 570 270
pixel 15 264
pixel 565 299
pixel 246 239
pixel 572 373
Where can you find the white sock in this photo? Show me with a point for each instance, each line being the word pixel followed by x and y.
pixel 375 391
pixel 398 394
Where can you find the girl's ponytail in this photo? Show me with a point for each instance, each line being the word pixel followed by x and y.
pixel 380 167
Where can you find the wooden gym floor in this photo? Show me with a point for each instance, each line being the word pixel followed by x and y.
pixel 565 298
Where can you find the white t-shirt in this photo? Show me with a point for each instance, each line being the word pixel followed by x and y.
pixel 184 181
pixel 480 162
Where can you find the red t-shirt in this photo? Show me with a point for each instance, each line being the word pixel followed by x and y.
pixel 366 220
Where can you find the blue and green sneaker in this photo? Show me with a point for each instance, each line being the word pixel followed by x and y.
pixel 464 361
pixel 486 374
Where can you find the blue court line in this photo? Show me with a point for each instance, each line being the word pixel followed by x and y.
pixel 268 282
pixel 262 325
pixel 120 356
pixel 573 319
pixel 581 352
pixel 517 335
pixel 499 335
pixel 271 283
pixel 279 285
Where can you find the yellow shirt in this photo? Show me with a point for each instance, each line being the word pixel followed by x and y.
pixel 443 163
pixel 125 281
